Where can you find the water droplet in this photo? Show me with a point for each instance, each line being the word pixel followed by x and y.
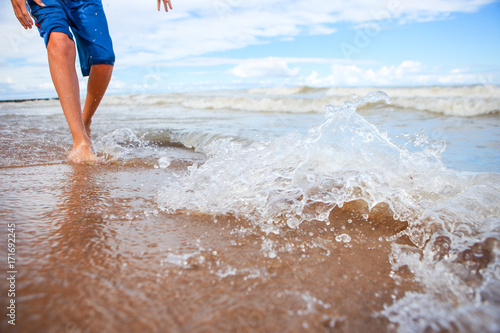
pixel 344 238
pixel 293 222
pixel 163 163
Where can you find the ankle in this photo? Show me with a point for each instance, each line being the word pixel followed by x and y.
pixel 87 123
pixel 84 142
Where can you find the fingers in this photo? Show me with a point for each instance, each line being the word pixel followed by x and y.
pixel 25 21
pixel 166 3
pixel 169 4
pixel 28 23
pixel 22 13
pixel 39 3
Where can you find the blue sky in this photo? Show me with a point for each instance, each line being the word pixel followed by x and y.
pixel 226 44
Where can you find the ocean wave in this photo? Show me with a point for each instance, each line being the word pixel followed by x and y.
pixel 286 90
pixel 156 149
pixel 453 217
pixel 466 101
pixel 345 158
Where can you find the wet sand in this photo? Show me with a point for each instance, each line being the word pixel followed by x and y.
pixel 95 254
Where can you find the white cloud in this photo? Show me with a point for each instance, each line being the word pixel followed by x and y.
pixel 408 73
pixel 321 30
pixel 386 75
pixel 351 75
pixel 218 61
pixel 197 27
pixel 261 68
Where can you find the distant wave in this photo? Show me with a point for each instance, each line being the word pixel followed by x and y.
pixel 463 101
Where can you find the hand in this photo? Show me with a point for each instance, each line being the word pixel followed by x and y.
pixel 22 12
pixel 166 3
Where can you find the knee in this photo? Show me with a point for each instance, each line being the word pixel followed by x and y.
pixel 60 43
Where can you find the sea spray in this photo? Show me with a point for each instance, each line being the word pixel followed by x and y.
pixel 124 146
pixel 118 144
pixel 345 158
pixel 303 178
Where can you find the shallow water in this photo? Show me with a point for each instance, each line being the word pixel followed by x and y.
pixel 206 216
pixel 94 254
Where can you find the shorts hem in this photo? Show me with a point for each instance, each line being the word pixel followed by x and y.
pixel 101 62
pixel 86 70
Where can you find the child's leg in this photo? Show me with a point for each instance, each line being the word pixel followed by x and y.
pixel 99 78
pixel 62 54
pixel 95 51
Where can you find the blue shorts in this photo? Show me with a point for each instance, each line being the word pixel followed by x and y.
pixel 87 22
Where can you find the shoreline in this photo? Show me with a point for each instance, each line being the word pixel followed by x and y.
pixel 28 100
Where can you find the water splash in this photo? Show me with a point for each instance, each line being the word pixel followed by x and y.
pixel 294 179
pixel 118 144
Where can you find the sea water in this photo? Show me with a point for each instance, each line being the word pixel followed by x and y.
pixel 287 164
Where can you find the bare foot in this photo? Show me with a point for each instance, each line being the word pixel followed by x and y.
pixel 82 154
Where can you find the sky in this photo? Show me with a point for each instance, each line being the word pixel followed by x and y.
pixel 236 44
